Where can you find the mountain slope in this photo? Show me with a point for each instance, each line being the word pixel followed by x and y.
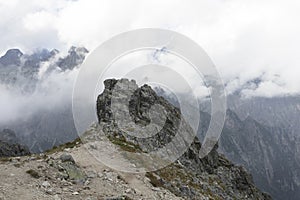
pixel 267 153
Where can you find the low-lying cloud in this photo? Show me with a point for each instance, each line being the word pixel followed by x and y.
pixel 52 92
pixel 245 39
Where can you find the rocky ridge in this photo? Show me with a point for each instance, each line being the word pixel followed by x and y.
pixel 190 177
pixel 10 145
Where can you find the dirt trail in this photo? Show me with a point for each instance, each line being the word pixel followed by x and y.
pixel 102 182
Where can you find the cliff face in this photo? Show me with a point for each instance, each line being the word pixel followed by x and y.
pixel 272 152
pixel 189 177
pixel 267 152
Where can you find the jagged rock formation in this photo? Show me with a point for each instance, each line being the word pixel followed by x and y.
pixel 10 145
pixel 191 177
pixel 8 150
pixel 74 58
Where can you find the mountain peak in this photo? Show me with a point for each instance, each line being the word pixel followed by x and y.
pixel 14 52
pixel 11 57
pixel 77 50
pixel 54 52
pixel 75 56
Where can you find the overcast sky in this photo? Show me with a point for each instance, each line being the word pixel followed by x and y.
pixel 245 39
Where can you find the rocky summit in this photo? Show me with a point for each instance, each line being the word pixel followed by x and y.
pixel 213 177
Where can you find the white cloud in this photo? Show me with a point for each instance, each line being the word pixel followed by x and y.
pixel 53 92
pixel 245 39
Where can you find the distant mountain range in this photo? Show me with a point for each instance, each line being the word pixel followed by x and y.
pixel 24 76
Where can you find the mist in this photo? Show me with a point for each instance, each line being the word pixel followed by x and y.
pixel 52 93
pixel 243 45
pixel 36 96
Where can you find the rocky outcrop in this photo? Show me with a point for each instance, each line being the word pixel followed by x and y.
pixel 10 145
pixel 190 177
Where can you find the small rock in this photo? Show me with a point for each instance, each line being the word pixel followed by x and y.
pixel 75 174
pixel 155 189
pixel 18 158
pixel 86 182
pixel 18 165
pixel 56 197
pixel 117 198
pixel 146 180
pixel 33 173
pixel 128 190
pixel 75 193
pixel 32 158
pixel 86 188
pixel 100 175
pixel 50 191
pixel 46 184
pixel 66 158
pixel 91 198
pixel 91 174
